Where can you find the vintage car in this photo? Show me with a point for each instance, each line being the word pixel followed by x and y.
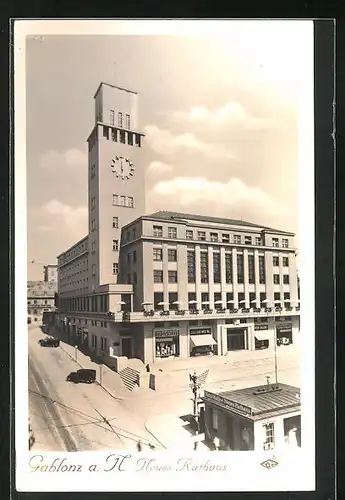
pixel 50 342
pixel 82 375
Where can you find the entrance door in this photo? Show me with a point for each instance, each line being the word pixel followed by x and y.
pixel 236 340
pixel 126 347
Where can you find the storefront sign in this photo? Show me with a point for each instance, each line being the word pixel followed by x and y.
pixel 283 318
pixel 226 404
pixel 285 328
pixel 260 326
pixel 200 331
pixel 162 334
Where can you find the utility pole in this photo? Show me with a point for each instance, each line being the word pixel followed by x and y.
pixel 195 386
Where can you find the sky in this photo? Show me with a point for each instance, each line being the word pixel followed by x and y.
pixel 220 112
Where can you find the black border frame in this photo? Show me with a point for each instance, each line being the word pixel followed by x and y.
pixel 324 296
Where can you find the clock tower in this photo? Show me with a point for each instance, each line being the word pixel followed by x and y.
pixel 116 179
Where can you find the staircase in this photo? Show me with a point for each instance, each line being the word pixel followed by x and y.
pixel 129 377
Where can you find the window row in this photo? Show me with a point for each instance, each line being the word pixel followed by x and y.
pixel 122 136
pixel 158 254
pixel 104 343
pixel 119 119
pixel 94 303
pixel 158 276
pixel 131 257
pixel 123 201
pixel 276 279
pixel 284 259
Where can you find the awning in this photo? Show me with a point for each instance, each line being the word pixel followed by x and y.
pixel 263 335
pixel 200 340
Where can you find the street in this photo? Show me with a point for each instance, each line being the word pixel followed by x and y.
pixel 75 417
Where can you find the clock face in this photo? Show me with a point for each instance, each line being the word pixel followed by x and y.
pixel 122 167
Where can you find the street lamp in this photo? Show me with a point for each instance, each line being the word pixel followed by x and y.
pixel 195 386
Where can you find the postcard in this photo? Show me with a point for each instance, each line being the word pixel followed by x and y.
pixel 164 201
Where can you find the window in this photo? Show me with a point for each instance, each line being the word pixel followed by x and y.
pixel 128 259
pixel 114 135
pixel 115 222
pixel 213 236
pixel 93 224
pixel 201 235
pixel 128 122
pixel 135 278
pixel 106 132
pixel 226 238
pixel 276 279
pixel 286 279
pixel 122 201
pixel 115 245
pixel 286 261
pixel 251 269
pixel 93 203
pixel 237 239
pixel 276 296
pixel 134 233
pixel 173 297
pixel 157 276
pixel 172 232
pixel 129 278
pixel 240 268
pixel 228 267
pixel 275 261
pixel 172 276
pixel 119 119
pixel 215 419
pixel 216 267
pixel 93 171
pixel 122 137
pixel 258 240
pixel 93 269
pixel 189 234
pixel 158 231
pixel 204 267
pixel 112 117
pixel 269 432
pixel 191 266
pixel 94 341
pixel 134 255
pixel 130 201
pixel 104 344
pixel 248 240
pixel 275 242
pixel 287 299
pixel 285 243
pixel 130 138
pixel 172 255
pixel 115 199
pixel 138 140
pixel 262 270
pixel 157 254
pixel 115 268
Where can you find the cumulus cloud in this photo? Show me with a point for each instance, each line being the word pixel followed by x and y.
pixel 71 158
pixel 188 191
pixel 73 218
pixel 165 143
pixel 233 113
pixel 159 167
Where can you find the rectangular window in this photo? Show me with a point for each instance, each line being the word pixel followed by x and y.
pixel 130 201
pixel 128 122
pixel 94 341
pixel 115 222
pixel 258 240
pixel 115 199
pixel 216 267
pixel 237 239
pixel 251 269
pixel 135 278
pixel 172 276
pixel 201 236
pixel 134 255
pixel 93 203
pixel 114 135
pixel 129 278
pixel 93 171
pixel 191 266
pixel 262 270
pixel 119 119
pixel 115 268
pixel 130 138
pixel 269 435
pixel 157 276
pixel 228 267
pixel 285 243
pixel 122 137
pixel 157 254
pixel 286 261
pixel 138 140
pixel 286 279
pixel 172 232
pixel 204 267
pixel 276 279
pixel 226 238
pixel 189 234
pixel 276 296
pixel 115 245
pixel 275 242
pixel 112 117
pixel 158 231
pixel 275 261
pixel 122 201
pixel 128 259
pixel 213 236
pixel 248 240
pixel 172 255
pixel 93 224
pixel 104 344
pixel 240 268
pixel 106 132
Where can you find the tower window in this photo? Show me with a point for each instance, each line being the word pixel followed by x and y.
pixel 130 138
pixel 112 117
pixel 128 122
pixel 122 201
pixel 119 119
pixel 122 136
pixel 114 135
pixel 138 140
pixel 130 201
pixel 106 132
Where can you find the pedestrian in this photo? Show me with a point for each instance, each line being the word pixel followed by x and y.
pixel 148 367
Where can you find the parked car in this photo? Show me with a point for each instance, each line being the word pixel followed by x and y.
pixel 82 375
pixel 50 342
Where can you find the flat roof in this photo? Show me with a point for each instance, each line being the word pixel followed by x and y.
pixel 253 401
pixel 114 87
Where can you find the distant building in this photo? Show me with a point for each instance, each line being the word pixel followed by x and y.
pixel 40 298
pixel 262 418
pixel 50 272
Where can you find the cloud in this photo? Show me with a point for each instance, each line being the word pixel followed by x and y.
pixel 73 218
pixel 159 167
pixel 165 143
pixel 71 158
pixel 188 191
pixel 233 113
